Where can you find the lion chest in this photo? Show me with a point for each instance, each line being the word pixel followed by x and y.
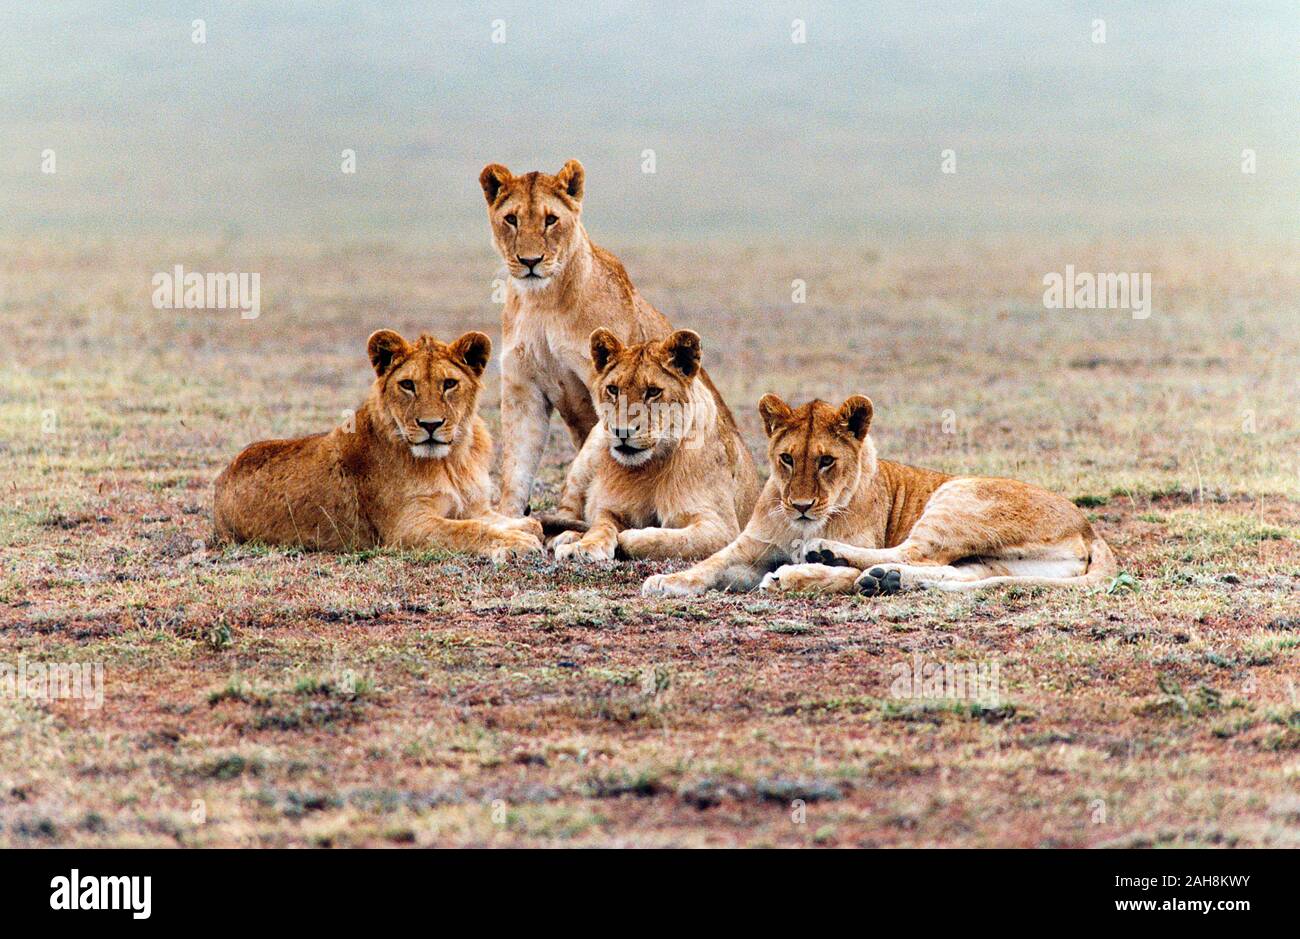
pixel 542 349
pixel 640 500
pixel 442 490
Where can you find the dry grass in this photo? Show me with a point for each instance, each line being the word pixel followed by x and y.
pixel 278 698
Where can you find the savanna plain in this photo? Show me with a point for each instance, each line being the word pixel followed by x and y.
pixel 273 697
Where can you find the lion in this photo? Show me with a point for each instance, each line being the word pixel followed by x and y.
pixel 670 475
pixel 561 287
pixel 409 470
pixel 832 518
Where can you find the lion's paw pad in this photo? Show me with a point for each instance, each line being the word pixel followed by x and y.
pixel 879 582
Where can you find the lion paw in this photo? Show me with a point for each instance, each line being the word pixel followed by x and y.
pixel 563 538
pixel 529 525
pixel 879 582
pixel 822 551
pixel 583 550
pixel 812 578
pixel 669 585
pixel 509 544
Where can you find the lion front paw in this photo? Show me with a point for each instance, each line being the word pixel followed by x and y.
pixel 583 549
pixel 822 551
pixel 509 544
pixel 563 538
pixel 529 525
pixel 670 585
pixel 813 578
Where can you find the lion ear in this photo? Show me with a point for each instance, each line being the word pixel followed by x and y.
pixel 572 178
pixel 604 346
pixel 855 415
pixel 385 347
pixel 474 349
pixel 683 351
pixel 492 179
pixel 775 413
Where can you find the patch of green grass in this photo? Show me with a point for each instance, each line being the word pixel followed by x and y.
pixel 1123 582
pixel 643 783
pixel 314 714
pixel 229 766
pixel 936 710
pixel 235 690
pixel 218 637
pixel 1173 701
pixel 345 687
pixel 790 790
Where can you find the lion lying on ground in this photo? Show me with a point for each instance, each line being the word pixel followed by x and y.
pixel 851 522
pixel 669 476
pixel 411 469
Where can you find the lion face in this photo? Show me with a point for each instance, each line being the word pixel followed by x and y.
pixel 817 455
pixel 428 389
pixel 643 393
pixel 535 220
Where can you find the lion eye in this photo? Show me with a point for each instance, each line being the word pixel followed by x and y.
pixel 406 384
pixel 449 384
pixel 653 392
pixel 551 220
pixel 612 390
pixel 825 462
pixel 511 220
pixel 787 459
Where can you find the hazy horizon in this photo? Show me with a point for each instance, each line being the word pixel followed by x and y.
pixel 754 135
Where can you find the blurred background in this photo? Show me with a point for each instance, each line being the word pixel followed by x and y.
pixel 755 136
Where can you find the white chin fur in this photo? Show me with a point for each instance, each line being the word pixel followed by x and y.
pixel 430 451
pixel 530 283
pixel 632 459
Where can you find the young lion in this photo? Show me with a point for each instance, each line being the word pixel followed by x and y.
pixel 561 287
pixel 878 527
pixel 671 477
pixel 410 471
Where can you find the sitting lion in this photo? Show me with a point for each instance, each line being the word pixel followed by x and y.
pixel 668 475
pixel 877 527
pixel 411 470
pixel 561 286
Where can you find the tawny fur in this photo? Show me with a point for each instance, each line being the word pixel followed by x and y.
pixel 828 495
pixel 383 478
pixel 669 475
pixel 548 320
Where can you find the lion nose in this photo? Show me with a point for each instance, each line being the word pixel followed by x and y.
pixel 802 506
pixel 430 426
pixel 623 433
pixel 529 263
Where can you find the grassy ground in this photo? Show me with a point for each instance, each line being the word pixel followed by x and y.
pixel 277 698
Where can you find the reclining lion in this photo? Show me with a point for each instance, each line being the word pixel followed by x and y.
pixel 669 475
pixel 851 522
pixel 411 469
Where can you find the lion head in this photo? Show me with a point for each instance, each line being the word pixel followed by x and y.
pixel 428 389
pixel 818 453
pixel 535 220
pixel 643 393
